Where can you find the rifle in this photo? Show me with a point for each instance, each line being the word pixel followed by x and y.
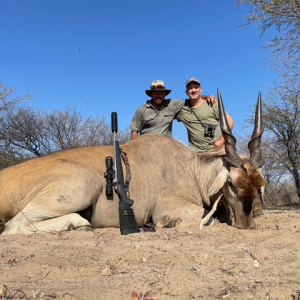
pixel 128 223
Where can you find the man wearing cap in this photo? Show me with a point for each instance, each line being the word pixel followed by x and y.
pixel 156 115
pixel 195 114
pixel 196 109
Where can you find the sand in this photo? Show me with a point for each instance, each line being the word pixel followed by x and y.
pixel 218 262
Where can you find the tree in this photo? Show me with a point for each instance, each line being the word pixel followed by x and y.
pixel 284 47
pixel 273 170
pixel 27 132
pixel 282 119
pixel 38 132
pixel 281 107
pixel 8 103
pixel 284 14
pixel 281 116
pixel 68 128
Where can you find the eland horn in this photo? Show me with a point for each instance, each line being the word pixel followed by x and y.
pixel 254 145
pixel 230 141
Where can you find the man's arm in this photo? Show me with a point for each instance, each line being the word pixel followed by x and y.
pixel 220 142
pixel 133 135
pixel 211 99
pixel 136 123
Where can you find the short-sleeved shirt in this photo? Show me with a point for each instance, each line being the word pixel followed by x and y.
pixel 147 119
pixel 208 115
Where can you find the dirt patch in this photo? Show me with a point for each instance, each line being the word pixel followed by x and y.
pixel 180 263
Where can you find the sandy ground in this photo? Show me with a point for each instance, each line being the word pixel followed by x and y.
pixel 179 263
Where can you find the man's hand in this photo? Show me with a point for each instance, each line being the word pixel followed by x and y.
pixel 133 135
pixel 211 99
pixel 219 143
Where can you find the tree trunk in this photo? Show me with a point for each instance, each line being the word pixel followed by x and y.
pixel 297 180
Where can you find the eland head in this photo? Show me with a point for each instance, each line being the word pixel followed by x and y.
pixel 240 179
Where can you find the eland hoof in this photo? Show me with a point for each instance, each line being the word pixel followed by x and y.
pixel 84 228
pixel 168 222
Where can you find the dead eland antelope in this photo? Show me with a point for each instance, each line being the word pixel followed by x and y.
pixel 67 188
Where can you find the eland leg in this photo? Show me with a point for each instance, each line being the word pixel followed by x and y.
pixel 174 210
pixel 52 203
pixel 69 222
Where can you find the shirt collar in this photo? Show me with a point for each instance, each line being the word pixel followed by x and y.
pixel 165 104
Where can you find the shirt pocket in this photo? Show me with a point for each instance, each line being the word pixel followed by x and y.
pixel 168 117
pixel 150 120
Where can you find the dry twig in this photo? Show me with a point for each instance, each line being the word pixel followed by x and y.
pixel 16 293
pixel 142 296
pixel 249 250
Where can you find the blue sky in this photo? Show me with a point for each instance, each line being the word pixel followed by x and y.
pixel 124 46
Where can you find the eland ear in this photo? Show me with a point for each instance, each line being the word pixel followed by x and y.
pixel 219 182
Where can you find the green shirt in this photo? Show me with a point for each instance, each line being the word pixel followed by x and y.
pixel 147 119
pixel 208 115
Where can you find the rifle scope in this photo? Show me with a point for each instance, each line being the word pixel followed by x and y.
pixel 109 175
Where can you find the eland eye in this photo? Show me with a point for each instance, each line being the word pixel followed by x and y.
pixel 230 183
